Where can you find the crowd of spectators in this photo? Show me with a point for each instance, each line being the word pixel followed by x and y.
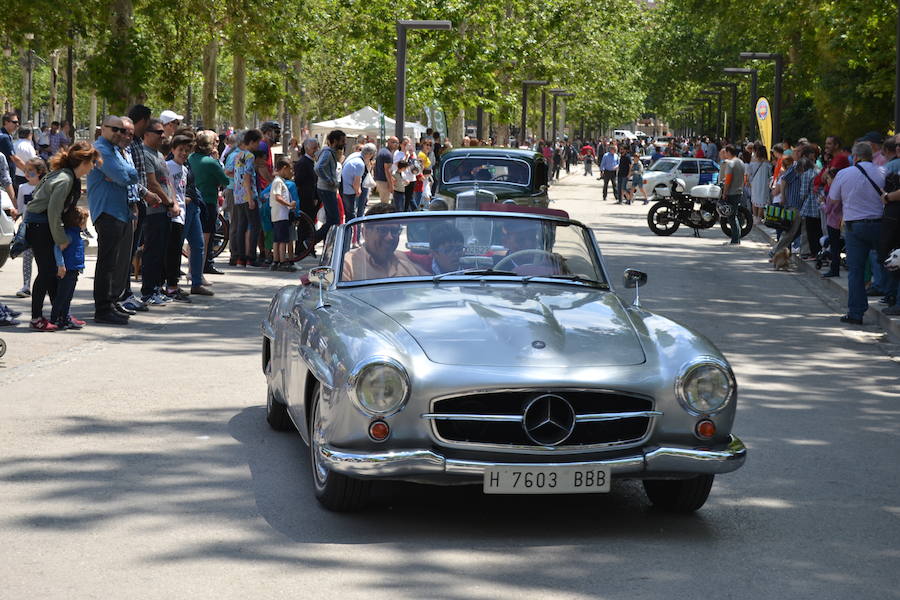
pixel 157 184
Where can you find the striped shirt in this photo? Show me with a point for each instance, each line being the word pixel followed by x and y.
pixel 790 195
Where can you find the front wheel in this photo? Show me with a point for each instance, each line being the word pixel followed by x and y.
pixel 334 491
pixel 661 218
pixel 745 220
pixel 277 413
pixel 679 495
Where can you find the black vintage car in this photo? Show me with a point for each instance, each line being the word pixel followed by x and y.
pixel 469 177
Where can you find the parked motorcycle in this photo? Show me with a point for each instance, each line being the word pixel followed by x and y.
pixel 699 209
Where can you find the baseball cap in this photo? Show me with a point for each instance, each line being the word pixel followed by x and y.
pixel 872 137
pixel 167 116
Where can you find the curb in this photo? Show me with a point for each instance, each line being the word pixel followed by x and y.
pixel 833 286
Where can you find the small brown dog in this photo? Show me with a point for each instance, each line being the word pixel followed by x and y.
pixel 781 260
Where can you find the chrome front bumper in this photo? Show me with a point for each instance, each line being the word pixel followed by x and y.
pixel 650 462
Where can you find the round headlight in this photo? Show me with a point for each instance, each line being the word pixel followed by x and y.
pixel 381 388
pixel 705 386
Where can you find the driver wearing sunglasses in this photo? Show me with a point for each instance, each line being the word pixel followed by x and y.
pixel 377 257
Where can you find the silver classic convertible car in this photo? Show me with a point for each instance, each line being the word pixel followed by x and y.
pixel 490 348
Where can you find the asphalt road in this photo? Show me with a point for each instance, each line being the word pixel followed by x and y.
pixel 136 462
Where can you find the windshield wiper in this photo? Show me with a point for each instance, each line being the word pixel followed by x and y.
pixel 567 277
pixel 472 272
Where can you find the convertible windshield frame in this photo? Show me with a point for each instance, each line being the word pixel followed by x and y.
pixel 496 160
pixel 342 246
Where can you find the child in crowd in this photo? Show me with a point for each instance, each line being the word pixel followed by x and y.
pixel 69 263
pixel 281 202
pixel 637 178
pixel 400 185
pixel 35 169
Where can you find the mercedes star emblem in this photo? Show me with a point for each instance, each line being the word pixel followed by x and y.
pixel 548 420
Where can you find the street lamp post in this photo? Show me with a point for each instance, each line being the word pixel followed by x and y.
pixel 732 128
pixel 705 116
pixel 754 82
pixel 779 72
pixel 718 95
pixel 544 115
pixel 556 94
pixel 525 85
pixel 402 27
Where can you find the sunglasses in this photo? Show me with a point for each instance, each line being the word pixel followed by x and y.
pixel 394 230
pixel 116 129
pixel 14 122
pixel 156 131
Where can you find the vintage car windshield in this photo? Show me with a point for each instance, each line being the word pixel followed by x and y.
pixel 463 246
pixel 486 169
pixel 664 164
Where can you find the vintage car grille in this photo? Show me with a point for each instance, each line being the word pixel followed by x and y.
pixel 508 418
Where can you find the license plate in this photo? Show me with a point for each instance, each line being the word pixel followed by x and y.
pixel 539 479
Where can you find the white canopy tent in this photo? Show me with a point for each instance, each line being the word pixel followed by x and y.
pixel 365 121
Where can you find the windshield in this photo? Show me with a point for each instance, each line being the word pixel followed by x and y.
pixel 468 246
pixel 664 164
pixel 486 169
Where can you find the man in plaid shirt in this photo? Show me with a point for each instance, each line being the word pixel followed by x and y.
pixel 809 207
pixel 140 116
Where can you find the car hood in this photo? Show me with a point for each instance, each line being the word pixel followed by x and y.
pixel 509 325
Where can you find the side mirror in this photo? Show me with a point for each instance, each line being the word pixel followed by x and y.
pixel 634 278
pixel 323 277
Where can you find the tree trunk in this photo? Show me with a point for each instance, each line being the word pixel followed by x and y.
pixel 456 127
pixel 54 84
pixel 70 90
pixel 26 86
pixel 92 116
pixel 502 135
pixel 121 22
pixel 239 91
pixel 208 103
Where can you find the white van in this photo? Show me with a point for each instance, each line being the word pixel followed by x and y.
pixel 624 134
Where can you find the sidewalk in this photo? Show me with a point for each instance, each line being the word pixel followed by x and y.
pixel 838 286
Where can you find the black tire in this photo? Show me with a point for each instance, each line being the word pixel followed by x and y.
pixel 4 254
pixel 277 413
pixel 306 236
pixel 334 491
pixel 218 239
pixel 2 348
pixel 745 220
pixel 679 495
pixel 661 218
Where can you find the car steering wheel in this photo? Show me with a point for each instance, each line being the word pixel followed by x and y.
pixel 528 251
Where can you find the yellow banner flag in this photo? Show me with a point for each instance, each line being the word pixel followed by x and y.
pixel 764 120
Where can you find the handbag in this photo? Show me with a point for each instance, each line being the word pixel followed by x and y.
pixel 779 218
pixel 19 243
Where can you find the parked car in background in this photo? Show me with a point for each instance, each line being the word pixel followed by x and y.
pixel 693 171
pixel 7 226
pixel 624 134
pixel 469 177
pixel 491 348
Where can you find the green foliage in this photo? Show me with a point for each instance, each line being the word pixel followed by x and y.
pixel 619 58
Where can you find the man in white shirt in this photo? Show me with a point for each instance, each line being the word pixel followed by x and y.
pixel 24 149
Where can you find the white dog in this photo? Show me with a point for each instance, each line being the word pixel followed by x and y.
pixel 892 262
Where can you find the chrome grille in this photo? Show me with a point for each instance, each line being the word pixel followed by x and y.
pixel 601 418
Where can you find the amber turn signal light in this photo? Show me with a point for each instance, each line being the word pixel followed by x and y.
pixel 379 431
pixel 705 429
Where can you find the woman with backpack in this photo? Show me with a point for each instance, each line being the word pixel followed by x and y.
pixel 57 192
